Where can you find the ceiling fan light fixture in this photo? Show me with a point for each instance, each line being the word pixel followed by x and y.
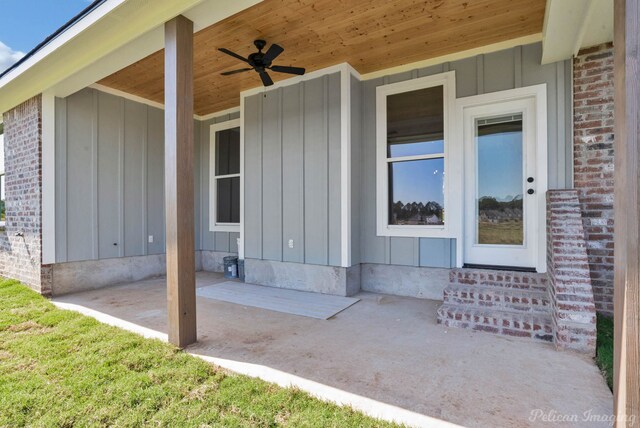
pixel 261 62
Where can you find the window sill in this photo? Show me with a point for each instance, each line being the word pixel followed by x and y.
pixel 226 228
pixel 415 231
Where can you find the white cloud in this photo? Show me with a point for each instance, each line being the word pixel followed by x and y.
pixel 8 56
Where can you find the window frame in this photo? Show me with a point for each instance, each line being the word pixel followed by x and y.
pixel 447 81
pixel 214 226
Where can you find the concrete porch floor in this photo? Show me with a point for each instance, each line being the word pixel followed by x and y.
pixel 386 348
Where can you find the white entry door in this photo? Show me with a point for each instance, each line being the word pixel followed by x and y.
pixel 504 184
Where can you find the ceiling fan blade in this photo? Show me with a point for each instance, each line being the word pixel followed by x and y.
pixel 272 53
pixel 228 73
pixel 266 79
pixel 290 70
pixel 233 54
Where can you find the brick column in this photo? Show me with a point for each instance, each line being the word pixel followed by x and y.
pixel 593 163
pixel 573 309
pixel 21 241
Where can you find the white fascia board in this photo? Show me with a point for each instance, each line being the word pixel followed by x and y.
pixel 203 15
pixel 133 25
pixel 64 38
pixel 108 27
pixel 600 25
pixel 570 25
pixel 562 30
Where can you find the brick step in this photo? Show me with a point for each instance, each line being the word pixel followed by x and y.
pixel 499 279
pixel 512 299
pixel 534 326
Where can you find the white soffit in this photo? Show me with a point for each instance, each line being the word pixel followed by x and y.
pixel 570 25
pixel 599 29
pixel 113 36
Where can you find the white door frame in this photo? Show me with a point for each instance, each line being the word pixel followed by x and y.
pixel 538 95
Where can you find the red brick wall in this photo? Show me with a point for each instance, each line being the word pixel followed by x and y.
pixel 593 163
pixel 570 290
pixel 21 241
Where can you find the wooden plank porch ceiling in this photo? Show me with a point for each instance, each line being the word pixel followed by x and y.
pixel 371 35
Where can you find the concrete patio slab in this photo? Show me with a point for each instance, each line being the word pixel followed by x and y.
pixel 388 349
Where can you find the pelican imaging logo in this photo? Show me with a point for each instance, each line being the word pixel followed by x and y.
pixel 589 416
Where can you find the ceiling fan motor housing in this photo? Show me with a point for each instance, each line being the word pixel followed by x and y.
pixel 261 62
pixel 256 60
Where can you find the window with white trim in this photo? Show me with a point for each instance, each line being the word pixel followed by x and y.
pixel 225 177
pixel 412 140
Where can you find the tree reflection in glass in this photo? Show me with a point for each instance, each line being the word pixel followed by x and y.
pixel 500 182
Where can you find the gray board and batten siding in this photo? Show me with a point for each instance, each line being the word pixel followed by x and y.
pixel 109 168
pixel 498 71
pixel 292 154
pixel 110 179
pixel 292 173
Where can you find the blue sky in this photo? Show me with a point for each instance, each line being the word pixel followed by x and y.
pixel 418 181
pixel 500 165
pixel 25 23
pixel 499 170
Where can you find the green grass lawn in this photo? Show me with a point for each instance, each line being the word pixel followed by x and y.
pixel 60 368
pixel 503 233
pixel 604 348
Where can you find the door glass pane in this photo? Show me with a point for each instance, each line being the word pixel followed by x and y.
pixel 417 192
pixel 228 151
pixel 500 181
pixel 415 122
pixel 228 200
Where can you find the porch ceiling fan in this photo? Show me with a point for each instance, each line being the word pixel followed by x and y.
pixel 261 62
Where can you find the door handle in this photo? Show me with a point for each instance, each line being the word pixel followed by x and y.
pixel 530 180
pixel 531 191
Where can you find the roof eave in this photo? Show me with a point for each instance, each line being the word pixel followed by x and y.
pixel 109 26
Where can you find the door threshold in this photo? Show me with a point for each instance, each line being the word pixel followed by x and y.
pixel 495 267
